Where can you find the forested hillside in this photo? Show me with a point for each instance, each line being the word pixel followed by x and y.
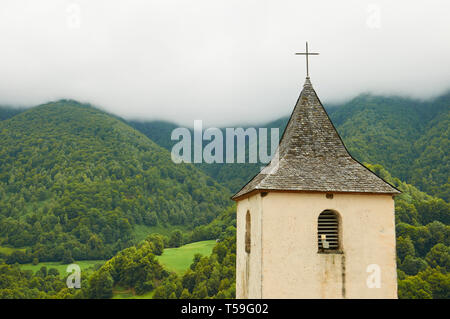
pixel 423 241
pixel 159 131
pixel 74 181
pixel 409 138
pixel 8 112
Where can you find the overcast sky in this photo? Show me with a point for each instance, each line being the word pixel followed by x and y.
pixel 220 61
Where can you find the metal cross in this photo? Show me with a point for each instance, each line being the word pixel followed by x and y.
pixel 307 53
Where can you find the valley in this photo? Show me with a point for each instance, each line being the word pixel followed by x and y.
pixel 81 185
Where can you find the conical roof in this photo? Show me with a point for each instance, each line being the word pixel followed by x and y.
pixel 312 157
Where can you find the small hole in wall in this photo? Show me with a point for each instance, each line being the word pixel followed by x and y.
pixel 329 196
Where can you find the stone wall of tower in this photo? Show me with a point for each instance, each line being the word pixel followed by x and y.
pixel 248 266
pixel 291 266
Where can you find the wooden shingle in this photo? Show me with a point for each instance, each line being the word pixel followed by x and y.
pixel 312 157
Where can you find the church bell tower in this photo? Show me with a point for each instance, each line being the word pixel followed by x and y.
pixel 315 223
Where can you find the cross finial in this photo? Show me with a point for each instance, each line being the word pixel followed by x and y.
pixel 307 54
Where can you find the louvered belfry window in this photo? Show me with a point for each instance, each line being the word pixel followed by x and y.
pixel 328 231
pixel 248 234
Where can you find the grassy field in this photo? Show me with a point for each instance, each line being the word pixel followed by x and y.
pixel 9 250
pixel 173 259
pixel 84 265
pixel 179 259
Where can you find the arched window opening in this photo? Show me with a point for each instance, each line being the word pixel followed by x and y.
pixel 328 231
pixel 248 234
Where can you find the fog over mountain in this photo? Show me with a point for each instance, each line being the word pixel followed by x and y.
pixel 221 61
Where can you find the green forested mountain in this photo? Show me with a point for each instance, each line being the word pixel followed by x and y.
pixel 231 175
pixel 409 138
pixel 74 181
pixel 8 112
pixel 159 131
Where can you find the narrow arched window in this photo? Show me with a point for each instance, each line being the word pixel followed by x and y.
pixel 328 231
pixel 248 233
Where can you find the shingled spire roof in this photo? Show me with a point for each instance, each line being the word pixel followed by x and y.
pixel 312 157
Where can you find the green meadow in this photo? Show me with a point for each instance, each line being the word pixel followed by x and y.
pixel 179 259
pixel 84 265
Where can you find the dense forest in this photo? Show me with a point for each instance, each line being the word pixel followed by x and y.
pixel 8 112
pixel 76 183
pixel 409 138
pixel 137 268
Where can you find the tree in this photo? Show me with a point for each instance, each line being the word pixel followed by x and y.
pixel 185 294
pixel 439 255
pixel 412 265
pixel 158 242
pixel 172 296
pixel 434 209
pixel 42 272
pixel 176 239
pixel 67 257
pixel 53 272
pixel 100 285
pixel 414 288
pixel 405 247
pixel 439 282
pixel 150 219
pixel 201 291
pixel 221 251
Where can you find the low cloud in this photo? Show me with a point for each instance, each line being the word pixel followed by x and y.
pixel 221 61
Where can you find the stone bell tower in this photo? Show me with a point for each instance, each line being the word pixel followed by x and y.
pixel 315 223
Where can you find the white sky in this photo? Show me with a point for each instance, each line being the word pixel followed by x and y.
pixel 223 62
